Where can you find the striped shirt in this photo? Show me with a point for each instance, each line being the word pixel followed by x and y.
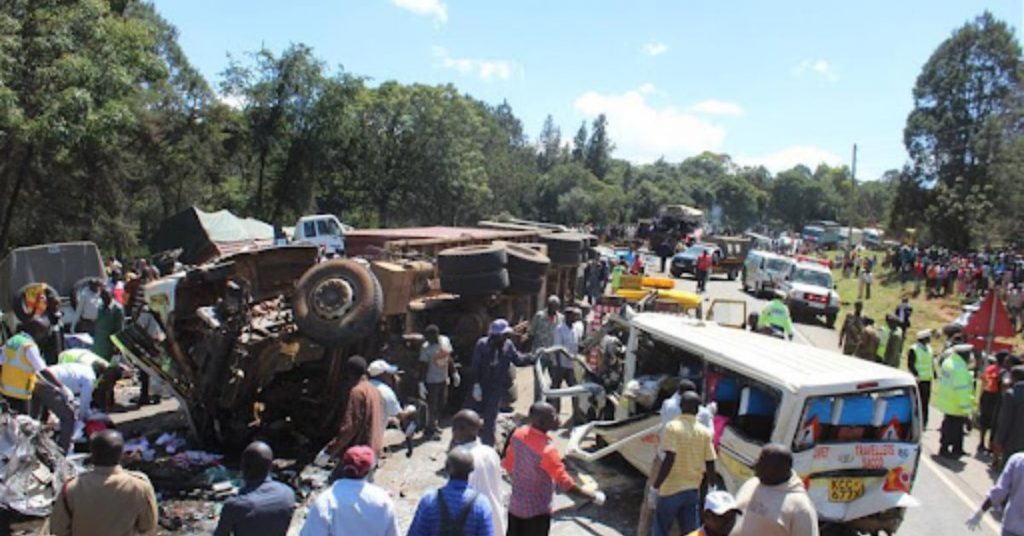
pixel 691 443
pixel 427 521
pixel 536 469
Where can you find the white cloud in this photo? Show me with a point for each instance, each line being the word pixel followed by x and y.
pixel 644 133
pixel 430 8
pixel 655 49
pixel 817 67
pixel 787 158
pixel 648 89
pixel 717 107
pixel 236 102
pixel 486 69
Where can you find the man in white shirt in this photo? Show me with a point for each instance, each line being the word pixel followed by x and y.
pixel 436 367
pixel 88 308
pixel 352 505
pixel 383 376
pixel 562 369
pixel 80 381
pixel 486 475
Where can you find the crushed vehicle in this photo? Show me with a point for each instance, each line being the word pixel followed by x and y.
pixel 32 467
pixel 854 427
pixel 256 340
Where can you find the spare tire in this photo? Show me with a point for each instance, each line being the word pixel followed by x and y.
pixel 526 262
pixel 18 302
pixel 337 302
pixel 472 284
pixel 471 259
pixel 524 285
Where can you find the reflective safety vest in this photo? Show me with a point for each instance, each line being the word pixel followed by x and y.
pixel 18 378
pixel 776 314
pixel 923 362
pixel 883 342
pixel 956 387
pixel 80 356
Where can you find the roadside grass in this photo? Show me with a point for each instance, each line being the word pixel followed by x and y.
pixel 886 293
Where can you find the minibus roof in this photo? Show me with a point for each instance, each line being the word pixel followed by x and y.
pixel 788 365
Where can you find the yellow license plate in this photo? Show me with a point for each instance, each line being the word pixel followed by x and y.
pixel 844 490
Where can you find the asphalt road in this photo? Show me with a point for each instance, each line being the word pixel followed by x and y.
pixel 949 492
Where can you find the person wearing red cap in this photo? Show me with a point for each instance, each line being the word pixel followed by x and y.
pixel 352 505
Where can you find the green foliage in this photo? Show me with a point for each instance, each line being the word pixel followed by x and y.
pixel 956 132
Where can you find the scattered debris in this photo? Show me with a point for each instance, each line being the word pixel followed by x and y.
pixel 34 468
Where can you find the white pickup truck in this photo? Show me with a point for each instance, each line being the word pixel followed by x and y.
pixel 322 230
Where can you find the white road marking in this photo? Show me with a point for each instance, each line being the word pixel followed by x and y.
pixel 972 506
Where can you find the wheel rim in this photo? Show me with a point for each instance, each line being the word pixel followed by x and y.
pixel 332 298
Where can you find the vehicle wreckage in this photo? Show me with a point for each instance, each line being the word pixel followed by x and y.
pixel 255 339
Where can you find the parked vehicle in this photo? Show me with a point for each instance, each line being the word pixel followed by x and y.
pixel 764 271
pixel 873 238
pixel 727 255
pixel 823 234
pixel 322 230
pixel 808 291
pixel 64 268
pixel 854 427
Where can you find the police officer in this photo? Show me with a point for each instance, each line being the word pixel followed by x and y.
pixel 776 314
pixel 921 362
pixel 956 390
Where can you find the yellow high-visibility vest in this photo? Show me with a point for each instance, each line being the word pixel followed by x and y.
pixel 18 378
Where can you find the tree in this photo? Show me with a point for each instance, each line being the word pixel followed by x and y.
pixel 549 150
pixel 579 144
pixel 599 148
pixel 970 80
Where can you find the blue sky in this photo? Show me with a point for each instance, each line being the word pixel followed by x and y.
pixel 773 83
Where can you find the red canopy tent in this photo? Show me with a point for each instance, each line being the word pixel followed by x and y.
pixel 990 321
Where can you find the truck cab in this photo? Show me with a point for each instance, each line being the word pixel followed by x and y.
pixel 322 230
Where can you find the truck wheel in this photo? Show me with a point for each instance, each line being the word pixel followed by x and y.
pixel 479 283
pixel 524 262
pixel 564 256
pixel 337 301
pixel 471 259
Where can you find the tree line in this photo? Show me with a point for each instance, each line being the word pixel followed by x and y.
pixel 106 129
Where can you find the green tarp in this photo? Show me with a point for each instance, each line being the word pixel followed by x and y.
pixel 204 236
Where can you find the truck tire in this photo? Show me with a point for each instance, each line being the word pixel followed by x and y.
pixel 564 256
pixel 524 262
pixel 567 241
pixel 337 301
pixel 471 259
pixel 524 285
pixel 473 284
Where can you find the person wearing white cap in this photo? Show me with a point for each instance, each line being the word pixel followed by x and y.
pixel 921 362
pixel 492 356
pixel 719 515
pixel 383 376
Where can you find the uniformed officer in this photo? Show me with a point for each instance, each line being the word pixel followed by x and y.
pixel 921 362
pixel 107 501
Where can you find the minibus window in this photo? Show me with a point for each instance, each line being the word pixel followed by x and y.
pixel 748 407
pixel 881 416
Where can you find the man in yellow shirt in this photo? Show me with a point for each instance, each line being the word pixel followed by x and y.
pixel 688 468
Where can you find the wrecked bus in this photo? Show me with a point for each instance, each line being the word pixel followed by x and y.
pixel 854 427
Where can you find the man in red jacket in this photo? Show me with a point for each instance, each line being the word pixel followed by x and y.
pixel 703 270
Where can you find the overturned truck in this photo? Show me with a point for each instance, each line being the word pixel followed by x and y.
pixel 255 341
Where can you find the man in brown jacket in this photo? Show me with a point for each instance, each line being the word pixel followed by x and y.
pixel 362 419
pixel 107 501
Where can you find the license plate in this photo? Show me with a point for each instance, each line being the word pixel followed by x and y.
pixel 844 490
pixel 816 305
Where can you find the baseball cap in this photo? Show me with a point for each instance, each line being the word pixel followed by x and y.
pixel 379 366
pixel 500 327
pixel 357 461
pixel 924 334
pixel 965 348
pixel 721 503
